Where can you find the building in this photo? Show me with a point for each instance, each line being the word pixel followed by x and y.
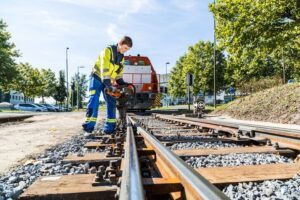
pixel 14 97
pixel 163 84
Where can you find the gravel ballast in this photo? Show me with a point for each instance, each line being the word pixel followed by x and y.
pixel 235 160
pixel 49 163
pixel 267 190
pixel 202 145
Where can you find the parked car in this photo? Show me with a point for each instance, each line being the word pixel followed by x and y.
pixel 29 107
pixel 50 107
pixel 290 81
pixel 6 106
pixel 44 108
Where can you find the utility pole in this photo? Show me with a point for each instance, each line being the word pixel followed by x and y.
pixel 78 86
pixel 67 81
pixel 189 98
pixel 167 100
pixel 189 83
pixel 283 66
pixel 215 96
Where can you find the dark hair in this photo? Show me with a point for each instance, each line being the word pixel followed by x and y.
pixel 126 40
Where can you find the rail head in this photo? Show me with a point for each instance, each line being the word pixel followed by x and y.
pixel 131 184
pixel 264 129
pixel 192 181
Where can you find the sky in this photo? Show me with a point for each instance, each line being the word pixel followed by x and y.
pixel 160 29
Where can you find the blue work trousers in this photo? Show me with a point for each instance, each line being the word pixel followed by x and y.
pixel 95 88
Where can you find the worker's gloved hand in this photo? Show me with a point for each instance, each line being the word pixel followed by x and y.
pixel 122 82
pixel 111 89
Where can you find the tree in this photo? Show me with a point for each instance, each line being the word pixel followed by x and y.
pixel 73 92
pixel 78 83
pixel 60 89
pixel 49 83
pixel 28 80
pixel 177 84
pixel 247 23
pixel 259 36
pixel 199 61
pixel 8 53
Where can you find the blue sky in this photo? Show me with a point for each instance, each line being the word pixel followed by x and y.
pixel 160 29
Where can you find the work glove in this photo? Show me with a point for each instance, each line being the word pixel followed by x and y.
pixel 111 89
pixel 121 82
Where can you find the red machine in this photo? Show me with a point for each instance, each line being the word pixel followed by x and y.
pixel 139 71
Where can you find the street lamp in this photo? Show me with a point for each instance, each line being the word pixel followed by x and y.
pixel 167 101
pixel 215 96
pixel 78 86
pixel 167 63
pixel 67 81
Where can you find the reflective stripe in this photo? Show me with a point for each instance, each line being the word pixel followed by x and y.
pixel 112 56
pixel 111 120
pixel 91 119
pixel 92 92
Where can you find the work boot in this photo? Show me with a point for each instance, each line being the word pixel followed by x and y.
pixel 105 132
pixel 88 135
pixel 109 128
pixel 88 127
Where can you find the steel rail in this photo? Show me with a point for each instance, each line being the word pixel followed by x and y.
pixel 285 132
pixel 196 186
pixel 230 130
pixel 131 184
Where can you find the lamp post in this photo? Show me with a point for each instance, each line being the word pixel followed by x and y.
pixel 78 86
pixel 215 96
pixel 283 66
pixel 67 81
pixel 167 101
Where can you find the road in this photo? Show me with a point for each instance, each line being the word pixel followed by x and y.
pixel 20 140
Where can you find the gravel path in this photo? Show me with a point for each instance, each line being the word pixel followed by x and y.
pixel 49 163
pixel 35 135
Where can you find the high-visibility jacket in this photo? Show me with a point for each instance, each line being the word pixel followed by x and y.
pixel 109 64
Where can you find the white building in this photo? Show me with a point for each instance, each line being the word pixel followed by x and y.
pixel 14 97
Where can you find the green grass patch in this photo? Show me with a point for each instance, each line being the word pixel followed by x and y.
pixel 102 108
pixel 12 111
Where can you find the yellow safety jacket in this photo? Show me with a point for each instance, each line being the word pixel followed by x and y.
pixel 109 64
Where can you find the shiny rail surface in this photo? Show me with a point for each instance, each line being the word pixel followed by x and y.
pixel 287 132
pixel 131 187
pixel 196 186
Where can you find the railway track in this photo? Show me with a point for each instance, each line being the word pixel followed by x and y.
pixel 176 157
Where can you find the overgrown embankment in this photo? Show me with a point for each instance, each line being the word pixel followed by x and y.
pixel 280 104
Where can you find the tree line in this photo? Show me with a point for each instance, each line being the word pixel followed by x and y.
pixel 258 46
pixel 31 81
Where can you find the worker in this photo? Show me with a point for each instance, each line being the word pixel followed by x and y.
pixel 108 70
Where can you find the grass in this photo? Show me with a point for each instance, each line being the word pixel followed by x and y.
pixel 102 108
pixel 279 104
pixel 11 111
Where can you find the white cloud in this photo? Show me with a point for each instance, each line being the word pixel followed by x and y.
pixel 123 8
pixel 113 33
pixel 130 6
pixel 61 25
pixel 186 5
